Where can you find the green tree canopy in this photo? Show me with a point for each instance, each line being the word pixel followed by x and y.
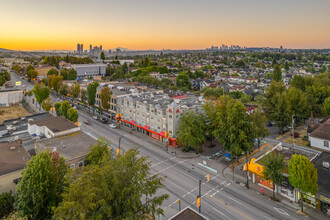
pixel 47 104
pixel 64 73
pixel 91 93
pixel 75 90
pixel 6 204
pixel 64 89
pixel 98 152
pixel 114 190
pixel 28 68
pixel 273 166
pixel 73 115
pixel 32 74
pixel 102 55
pixel 326 106
pixel 65 106
pixel 72 75
pixel 277 74
pixel 41 92
pixel 41 186
pixel 105 97
pixel 183 81
pixel 56 82
pixel 57 106
pixel 52 71
pixel 303 175
pixel 299 105
pixel 259 121
pixel 191 129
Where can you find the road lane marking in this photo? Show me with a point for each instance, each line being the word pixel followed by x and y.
pixel 221 188
pixel 218 211
pixel 281 211
pixel 214 177
pixel 162 162
pixel 234 200
pixel 227 184
pixel 267 218
pixel 223 182
pixel 215 193
pixel 242 214
pixel 170 166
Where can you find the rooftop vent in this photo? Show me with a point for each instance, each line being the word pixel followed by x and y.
pixel 326 164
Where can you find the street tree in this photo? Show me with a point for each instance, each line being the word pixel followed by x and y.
pixel 49 81
pixel 326 106
pixel 75 90
pixel 47 104
pixel 83 96
pixel 273 166
pixel 183 81
pixel 64 89
pixel 6 204
pixel 52 71
pixel 299 105
pixel 98 151
pixel 57 106
pixel 91 93
pixel 72 75
pixel 259 120
pixel 282 113
pixel 56 82
pixel 277 74
pixel 105 97
pixel 73 115
pixel 65 106
pixel 41 186
pixel 64 73
pixel 191 130
pixel 28 68
pixel 41 92
pixel 32 74
pixel 303 175
pixel 116 189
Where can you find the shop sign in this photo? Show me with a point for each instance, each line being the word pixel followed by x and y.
pixel 325 199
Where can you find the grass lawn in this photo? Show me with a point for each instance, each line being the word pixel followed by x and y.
pixel 12 112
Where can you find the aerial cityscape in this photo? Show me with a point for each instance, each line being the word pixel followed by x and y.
pixel 199 110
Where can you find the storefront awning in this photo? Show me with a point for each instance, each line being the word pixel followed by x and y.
pixel 146 127
pixel 162 133
pixel 132 122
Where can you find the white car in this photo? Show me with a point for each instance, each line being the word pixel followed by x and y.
pixel 112 126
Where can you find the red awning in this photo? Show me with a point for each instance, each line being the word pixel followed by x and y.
pixel 132 122
pixel 146 127
pixel 162 133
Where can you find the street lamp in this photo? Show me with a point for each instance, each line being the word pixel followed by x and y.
pixel 200 192
pixel 118 151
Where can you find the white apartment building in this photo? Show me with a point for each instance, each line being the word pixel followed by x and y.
pixel 89 70
pixel 156 114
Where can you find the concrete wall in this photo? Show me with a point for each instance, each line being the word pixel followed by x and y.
pixel 10 98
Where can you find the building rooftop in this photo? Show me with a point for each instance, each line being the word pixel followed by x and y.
pixel 323 173
pixel 188 214
pixel 13 157
pixel 69 146
pixel 55 124
pixel 323 131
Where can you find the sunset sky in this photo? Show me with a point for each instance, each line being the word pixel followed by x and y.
pixel 163 24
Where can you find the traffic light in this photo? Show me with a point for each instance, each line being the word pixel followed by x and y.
pixel 118 151
pixel 208 177
pixel 198 201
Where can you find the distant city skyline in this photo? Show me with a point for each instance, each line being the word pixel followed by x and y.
pixel 155 24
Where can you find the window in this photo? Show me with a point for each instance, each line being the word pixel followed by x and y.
pixel 80 164
pixel 170 116
pixel 72 165
pixel 326 143
pixel 152 117
pixel 158 128
pixel 170 132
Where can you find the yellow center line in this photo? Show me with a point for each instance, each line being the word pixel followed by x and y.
pixel 231 208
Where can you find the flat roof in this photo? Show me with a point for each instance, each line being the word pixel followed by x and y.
pixel 69 146
pixel 55 124
pixel 13 157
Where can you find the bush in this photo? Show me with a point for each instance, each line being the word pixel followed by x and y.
pixel 6 204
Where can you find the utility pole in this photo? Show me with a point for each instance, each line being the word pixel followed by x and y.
pixel 247 171
pixel 293 132
pixel 199 195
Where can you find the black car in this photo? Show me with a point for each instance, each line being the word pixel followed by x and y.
pixel 104 121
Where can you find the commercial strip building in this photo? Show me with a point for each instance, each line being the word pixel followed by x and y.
pixel 321 160
pixel 89 70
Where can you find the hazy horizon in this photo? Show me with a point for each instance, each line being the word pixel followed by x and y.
pixel 155 24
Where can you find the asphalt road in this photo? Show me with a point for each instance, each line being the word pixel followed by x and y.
pixel 221 198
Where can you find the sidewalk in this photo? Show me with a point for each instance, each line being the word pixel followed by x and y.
pixel 255 188
pixel 176 151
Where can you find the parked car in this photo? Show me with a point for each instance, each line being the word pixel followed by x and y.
pixel 269 124
pixel 112 126
pixel 104 121
pixel 87 122
pixel 96 117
